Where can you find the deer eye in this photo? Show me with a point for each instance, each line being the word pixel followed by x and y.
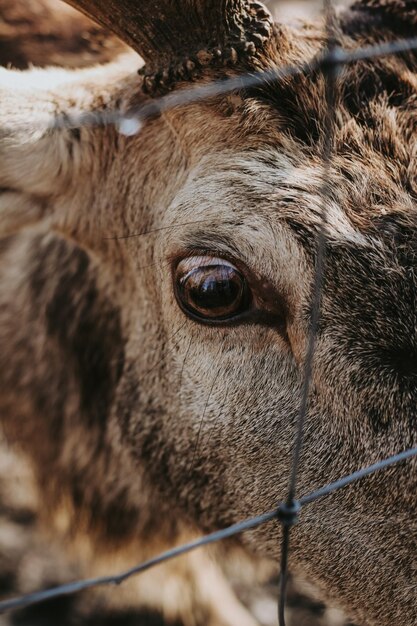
pixel 211 289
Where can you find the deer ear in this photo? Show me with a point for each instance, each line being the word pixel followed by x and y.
pixel 46 153
pixel 398 17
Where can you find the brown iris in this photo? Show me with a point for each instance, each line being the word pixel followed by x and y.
pixel 211 289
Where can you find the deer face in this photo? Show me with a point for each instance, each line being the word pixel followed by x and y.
pixel 165 302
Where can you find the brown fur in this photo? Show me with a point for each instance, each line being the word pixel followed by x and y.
pixel 143 425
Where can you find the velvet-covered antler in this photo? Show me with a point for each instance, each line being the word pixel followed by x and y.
pixel 177 36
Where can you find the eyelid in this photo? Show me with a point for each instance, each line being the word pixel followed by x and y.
pixel 223 257
pixel 206 261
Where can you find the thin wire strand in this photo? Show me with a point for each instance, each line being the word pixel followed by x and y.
pixel 75 587
pixel 237 83
pixel 200 93
pixel 330 74
pixel 283 577
pixel 249 524
pixel 197 443
pixel 352 478
pixel 151 231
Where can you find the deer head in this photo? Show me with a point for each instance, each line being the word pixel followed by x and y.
pixel 156 289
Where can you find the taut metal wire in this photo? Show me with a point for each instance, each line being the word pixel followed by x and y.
pixel 290 510
pixel 249 524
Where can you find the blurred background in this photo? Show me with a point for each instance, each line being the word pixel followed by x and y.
pixel 299 8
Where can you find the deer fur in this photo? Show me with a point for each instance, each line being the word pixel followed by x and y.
pixel 144 426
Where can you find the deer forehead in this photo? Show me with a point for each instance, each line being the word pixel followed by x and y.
pixel 253 161
pixel 248 202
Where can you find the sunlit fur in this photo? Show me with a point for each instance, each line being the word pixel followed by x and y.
pixel 144 426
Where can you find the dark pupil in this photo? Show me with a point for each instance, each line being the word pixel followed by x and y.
pixel 215 290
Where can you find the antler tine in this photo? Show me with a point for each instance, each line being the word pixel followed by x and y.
pixel 176 36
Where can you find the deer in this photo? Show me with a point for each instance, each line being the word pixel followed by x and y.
pixel 155 298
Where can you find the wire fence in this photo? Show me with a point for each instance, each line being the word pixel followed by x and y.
pixel 329 63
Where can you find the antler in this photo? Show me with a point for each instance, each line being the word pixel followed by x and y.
pixel 177 36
